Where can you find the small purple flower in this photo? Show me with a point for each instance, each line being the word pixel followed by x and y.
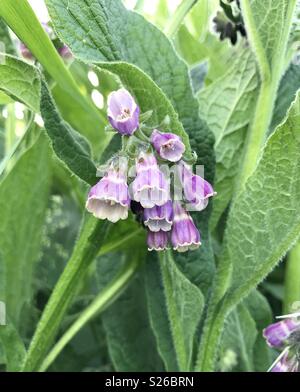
pixel 159 217
pixel 285 363
pixel 109 198
pixel 168 145
pixel 123 112
pixel 157 240
pixel 185 236
pixel 277 334
pixel 197 191
pixel 150 187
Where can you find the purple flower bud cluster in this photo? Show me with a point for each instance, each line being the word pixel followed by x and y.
pixel 148 194
pixel 62 49
pixel 285 335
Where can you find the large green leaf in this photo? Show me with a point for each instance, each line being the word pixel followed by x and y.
pixel 287 91
pixel 69 146
pixel 20 81
pixel 95 34
pixel 23 199
pixel 267 211
pixel 264 13
pixel 227 106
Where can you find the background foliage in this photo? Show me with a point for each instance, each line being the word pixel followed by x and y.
pixel 83 295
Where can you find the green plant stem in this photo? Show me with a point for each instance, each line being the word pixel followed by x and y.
pixel 292 279
pixel 104 298
pixel 92 235
pixel 178 17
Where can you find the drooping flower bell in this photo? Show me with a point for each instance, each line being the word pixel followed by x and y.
pixel 159 217
pixel 157 240
pixel 197 191
pixel 109 198
pixel 185 236
pixel 150 187
pixel 123 112
pixel 167 145
pixel 285 335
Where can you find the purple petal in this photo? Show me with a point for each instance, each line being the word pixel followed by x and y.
pixel 150 188
pixel 159 217
pixel 157 240
pixel 277 334
pixel 168 145
pixel 126 126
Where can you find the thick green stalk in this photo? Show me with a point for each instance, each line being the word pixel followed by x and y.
pixel 292 279
pixel 178 17
pixel 92 235
pixel 105 297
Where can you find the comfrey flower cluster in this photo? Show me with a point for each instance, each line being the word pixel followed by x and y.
pixel 285 335
pixel 62 49
pixel 162 211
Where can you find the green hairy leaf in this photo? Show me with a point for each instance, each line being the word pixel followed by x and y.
pixel 20 81
pixel 227 105
pixel 266 212
pixel 104 39
pixel 69 146
pixel 270 35
pixel 287 91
